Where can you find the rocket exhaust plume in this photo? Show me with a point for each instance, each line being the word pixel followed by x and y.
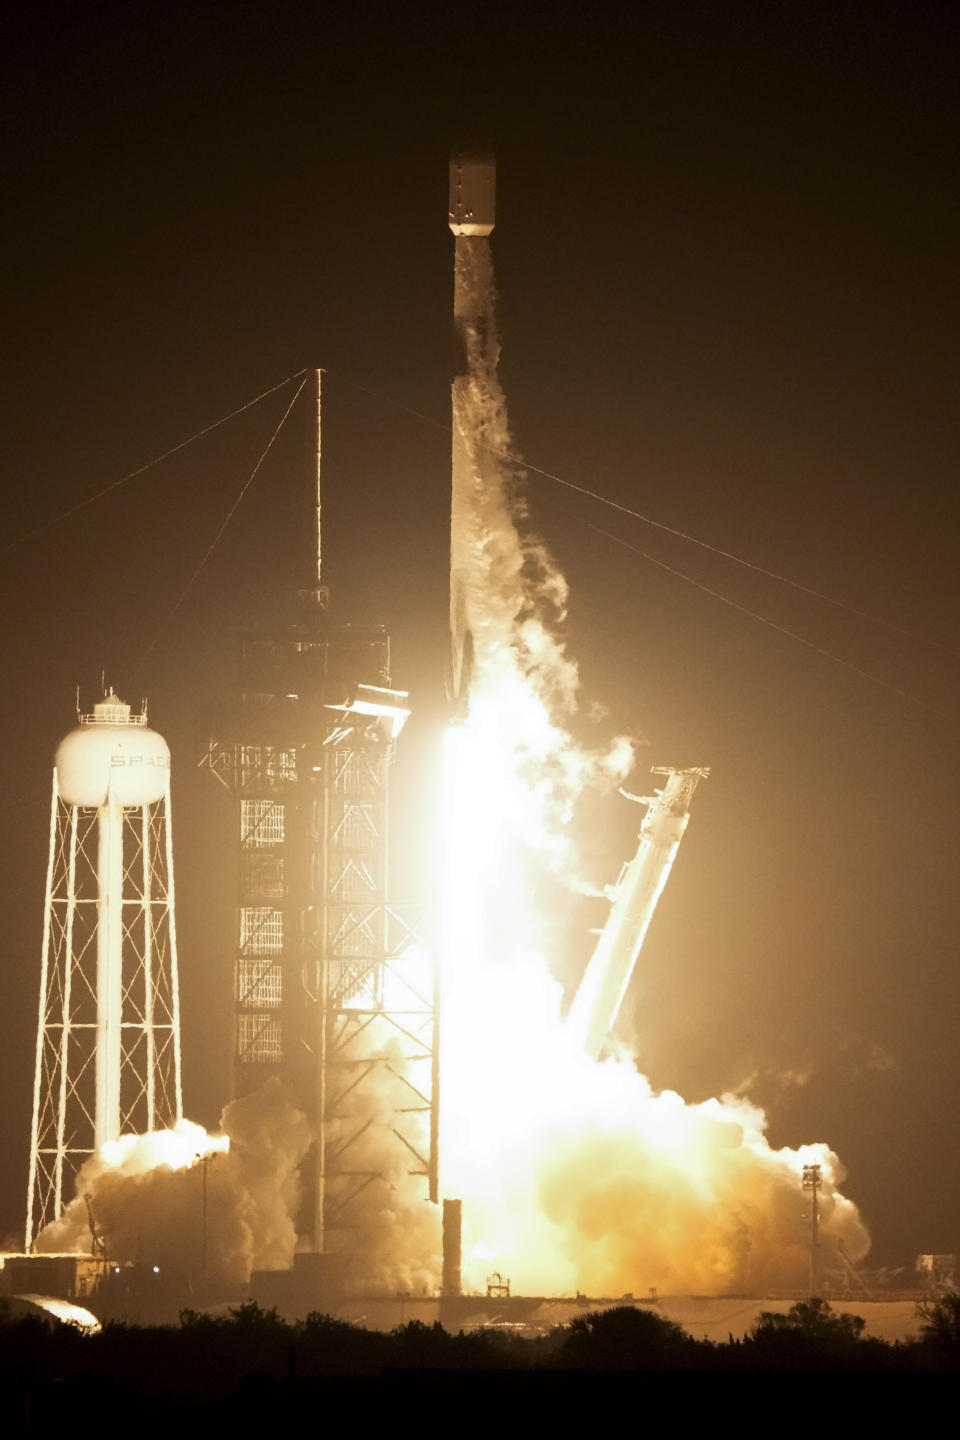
pixel 574 1174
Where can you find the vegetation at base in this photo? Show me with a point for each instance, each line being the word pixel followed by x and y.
pixel 206 1357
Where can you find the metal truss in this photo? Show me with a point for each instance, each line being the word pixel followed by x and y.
pixel 379 1041
pixel 333 989
pixel 77 1105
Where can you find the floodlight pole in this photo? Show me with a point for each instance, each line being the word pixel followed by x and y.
pixel 204 1162
pixel 812 1180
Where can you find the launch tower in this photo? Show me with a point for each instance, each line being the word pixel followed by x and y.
pixel 324 994
pixel 108 1034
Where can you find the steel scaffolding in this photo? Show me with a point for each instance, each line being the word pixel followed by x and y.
pixel 330 989
pixel 108 1033
pixel 331 992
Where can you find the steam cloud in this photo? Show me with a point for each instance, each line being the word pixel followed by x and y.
pixel 146 1192
pixel 377 1214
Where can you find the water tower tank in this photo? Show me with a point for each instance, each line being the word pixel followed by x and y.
pixel 112 750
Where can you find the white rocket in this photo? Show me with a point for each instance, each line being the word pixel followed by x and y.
pixel 472 192
pixel 478 514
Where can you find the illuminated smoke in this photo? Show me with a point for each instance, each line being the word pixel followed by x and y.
pixel 577 1176
pixel 377 1215
pixel 574 1175
pixel 146 1192
pixel 524 680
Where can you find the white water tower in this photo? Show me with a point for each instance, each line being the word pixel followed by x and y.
pixel 108 1035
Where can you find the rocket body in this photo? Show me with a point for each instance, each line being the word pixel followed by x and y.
pixel 477 413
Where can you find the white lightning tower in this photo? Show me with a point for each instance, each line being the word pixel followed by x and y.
pixel 108 1035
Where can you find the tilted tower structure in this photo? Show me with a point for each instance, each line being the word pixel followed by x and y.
pixel 324 994
pixel 108 1034
pixel 633 899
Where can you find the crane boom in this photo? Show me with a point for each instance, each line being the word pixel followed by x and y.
pixel 634 898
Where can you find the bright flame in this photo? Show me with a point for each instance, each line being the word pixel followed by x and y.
pixel 575 1175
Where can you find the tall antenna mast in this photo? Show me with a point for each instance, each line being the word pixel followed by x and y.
pixel 812 1181
pixel 313 591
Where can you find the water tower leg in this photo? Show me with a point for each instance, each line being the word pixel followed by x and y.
pixel 109 970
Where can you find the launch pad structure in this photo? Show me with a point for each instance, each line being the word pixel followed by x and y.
pixel 329 992
pixel 323 983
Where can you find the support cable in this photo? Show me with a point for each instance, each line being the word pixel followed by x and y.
pixel 772 624
pixel 141 469
pixel 739 560
pixel 515 459
pixel 220 532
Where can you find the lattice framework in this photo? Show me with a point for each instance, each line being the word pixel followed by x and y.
pixel 69 1034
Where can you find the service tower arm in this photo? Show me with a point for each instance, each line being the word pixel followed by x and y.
pixel 597 1002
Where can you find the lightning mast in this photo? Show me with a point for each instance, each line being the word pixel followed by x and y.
pixel 304 744
pixel 812 1181
pixel 634 897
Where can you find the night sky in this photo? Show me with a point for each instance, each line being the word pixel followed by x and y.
pixel 726 253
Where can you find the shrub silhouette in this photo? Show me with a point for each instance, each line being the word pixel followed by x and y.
pixel 811 1335
pixel 623 1338
pixel 814 1318
pixel 940 1331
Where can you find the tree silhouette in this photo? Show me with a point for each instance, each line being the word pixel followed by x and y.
pixel 814 1318
pixel 623 1338
pixel 810 1336
pixel 940 1331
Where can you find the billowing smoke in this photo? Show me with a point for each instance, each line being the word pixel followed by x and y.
pixel 146 1193
pixel 377 1215
pixel 574 1174
pixel 226 1203
pixel 713 1210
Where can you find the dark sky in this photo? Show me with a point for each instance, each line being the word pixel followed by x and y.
pixel 726 251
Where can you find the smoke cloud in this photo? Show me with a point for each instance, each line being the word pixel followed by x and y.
pixel 377 1215
pixel 146 1192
